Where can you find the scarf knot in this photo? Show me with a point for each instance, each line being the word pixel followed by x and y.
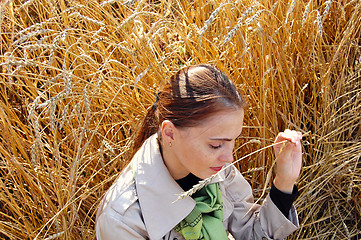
pixel 205 222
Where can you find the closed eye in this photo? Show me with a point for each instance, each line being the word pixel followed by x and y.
pixel 215 146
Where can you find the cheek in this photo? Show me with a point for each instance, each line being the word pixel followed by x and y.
pixel 204 155
pixel 197 154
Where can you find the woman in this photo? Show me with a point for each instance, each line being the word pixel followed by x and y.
pixel 189 135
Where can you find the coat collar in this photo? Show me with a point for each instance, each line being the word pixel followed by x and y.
pixel 157 191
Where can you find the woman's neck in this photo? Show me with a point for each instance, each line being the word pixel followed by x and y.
pixel 175 168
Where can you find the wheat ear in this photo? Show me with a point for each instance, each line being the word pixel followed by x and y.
pixel 206 181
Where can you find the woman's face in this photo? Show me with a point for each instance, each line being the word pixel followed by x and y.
pixel 203 150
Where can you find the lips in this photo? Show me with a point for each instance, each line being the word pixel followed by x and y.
pixel 216 168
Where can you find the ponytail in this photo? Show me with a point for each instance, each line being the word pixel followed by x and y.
pixel 148 127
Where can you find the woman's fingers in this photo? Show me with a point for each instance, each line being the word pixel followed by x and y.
pixel 294 137
pixel 289 160
pixel 290 135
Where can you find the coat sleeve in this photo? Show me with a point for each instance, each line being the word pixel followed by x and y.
pixel 246 220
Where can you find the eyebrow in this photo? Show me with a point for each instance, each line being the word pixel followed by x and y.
pixel 224 139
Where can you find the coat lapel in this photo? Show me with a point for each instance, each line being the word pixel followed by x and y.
pixel 158 191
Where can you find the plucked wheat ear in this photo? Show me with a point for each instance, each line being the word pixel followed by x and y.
pixel 206 181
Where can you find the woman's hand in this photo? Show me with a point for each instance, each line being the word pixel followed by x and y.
pixel 289 160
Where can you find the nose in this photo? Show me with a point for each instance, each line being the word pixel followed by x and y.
pixel 227 155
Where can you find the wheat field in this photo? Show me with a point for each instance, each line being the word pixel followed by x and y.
pixel 76 78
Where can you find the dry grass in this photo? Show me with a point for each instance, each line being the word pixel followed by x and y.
pixel 77 77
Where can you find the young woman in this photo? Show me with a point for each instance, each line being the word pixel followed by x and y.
pixel 189 135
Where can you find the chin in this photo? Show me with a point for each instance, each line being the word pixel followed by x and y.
pixel 205 176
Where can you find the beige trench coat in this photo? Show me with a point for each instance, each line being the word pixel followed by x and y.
pixel 141 204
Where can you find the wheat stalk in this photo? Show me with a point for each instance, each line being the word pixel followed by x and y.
pixel 209 21
pixel 306 12
pixel 327 8
pixel 238 25
pixel 206 181
pixel 290 10
pixel 71 67
pixel 319 23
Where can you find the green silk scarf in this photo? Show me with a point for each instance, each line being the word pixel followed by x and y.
pixel 205 222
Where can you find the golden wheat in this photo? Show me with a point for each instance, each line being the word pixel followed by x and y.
pixel 76 78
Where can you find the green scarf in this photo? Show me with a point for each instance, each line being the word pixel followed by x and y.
pixel 205 222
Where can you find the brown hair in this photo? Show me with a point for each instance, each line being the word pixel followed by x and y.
pixel 191 95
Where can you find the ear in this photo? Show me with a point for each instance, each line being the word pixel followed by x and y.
pixel 167 130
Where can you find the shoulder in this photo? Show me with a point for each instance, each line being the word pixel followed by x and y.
pixel 232 174
pixel 234 184
pixel 121 198
pixel 122 201
pixel 119 210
